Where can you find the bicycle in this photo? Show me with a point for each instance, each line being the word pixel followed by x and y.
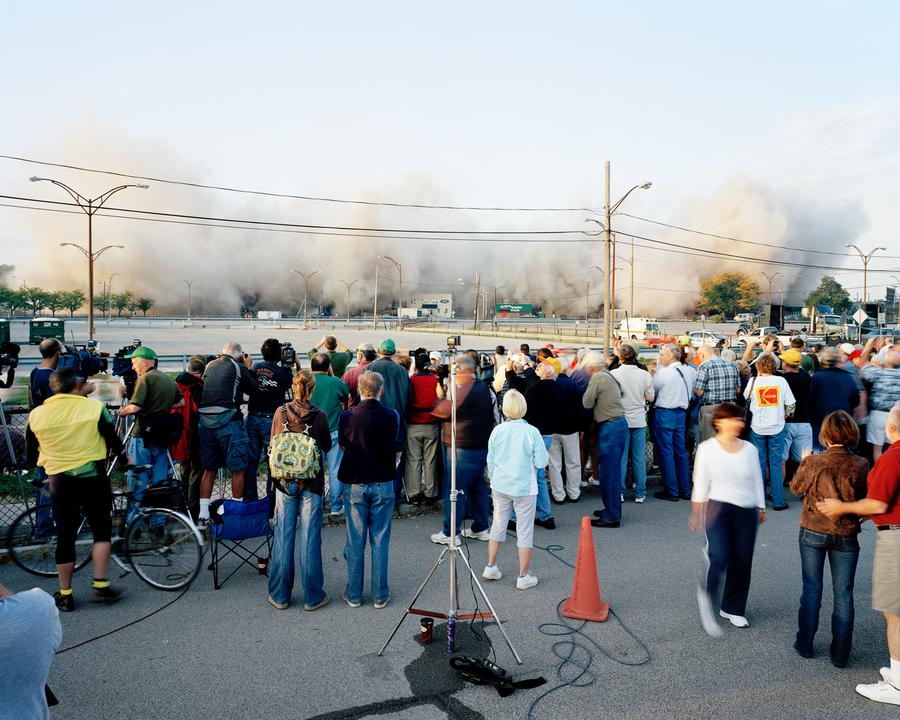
pixel 161 544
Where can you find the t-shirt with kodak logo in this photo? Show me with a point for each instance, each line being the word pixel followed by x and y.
pixel 768 396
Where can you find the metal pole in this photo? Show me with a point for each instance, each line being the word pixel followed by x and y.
pixel 305 307
pixel 866 278
pixel 587 301
pixel 607 242
pixel 90 254
pixel 400 299
pixel 494 312
pixel 477 293
pixel 348 304
pixel 454 599
pixel 375 308
pixel 631 301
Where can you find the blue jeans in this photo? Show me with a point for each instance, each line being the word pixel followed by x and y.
pixel 470 483
pixel 143 453
pixel 771 454
pixel 259 431
pixel 843 554
pixel 730 537
pixel 611 436
pixel 281 567
pixel 636 448
pixel 335 487
pixel 44 515
pixel 371 508
pixel 669 434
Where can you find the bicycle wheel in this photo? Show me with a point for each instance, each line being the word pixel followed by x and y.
pixel 163 550
pixel 31 541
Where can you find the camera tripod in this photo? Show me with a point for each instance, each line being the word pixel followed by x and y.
pixel 453 553
pixel 15 466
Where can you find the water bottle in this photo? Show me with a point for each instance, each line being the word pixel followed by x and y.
pixel 118 523
pixel 451 633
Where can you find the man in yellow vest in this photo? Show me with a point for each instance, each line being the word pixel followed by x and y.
pixel 70 436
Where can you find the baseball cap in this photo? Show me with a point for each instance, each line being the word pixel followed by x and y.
pixel 142 352
pixel 387 347
pixel 364 346
pixel 434 356
pixel 792 357
pixel 846 348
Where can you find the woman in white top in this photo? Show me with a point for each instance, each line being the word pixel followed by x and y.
pixel 770 399
pixel 728 502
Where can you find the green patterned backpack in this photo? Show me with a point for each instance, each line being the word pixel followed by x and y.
pixel 293 456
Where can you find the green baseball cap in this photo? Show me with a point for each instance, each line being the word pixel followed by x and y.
pixel 387 347
pixel 142 352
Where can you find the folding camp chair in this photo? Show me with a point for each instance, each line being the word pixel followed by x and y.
pixel 234 530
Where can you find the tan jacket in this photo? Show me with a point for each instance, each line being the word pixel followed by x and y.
pixel 836 473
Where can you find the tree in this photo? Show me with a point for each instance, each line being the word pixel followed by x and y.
pixel 729 293
pixel 830 293
pixel 34 299
pixel 101 303
pixel 55 301
pixel 72 300
pixel 144 304
pixel 122 301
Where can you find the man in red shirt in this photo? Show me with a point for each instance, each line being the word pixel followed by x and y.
pixel 422 434
pixel 365 354
pixel 882 506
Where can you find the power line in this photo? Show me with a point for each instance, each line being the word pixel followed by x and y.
pixel 749 242
pixel 265 193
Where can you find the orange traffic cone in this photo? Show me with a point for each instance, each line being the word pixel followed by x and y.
pixel 585 602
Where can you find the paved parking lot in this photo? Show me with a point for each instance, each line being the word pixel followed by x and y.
pixel 227 654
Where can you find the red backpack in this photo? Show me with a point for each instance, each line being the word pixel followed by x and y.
pixel 181 450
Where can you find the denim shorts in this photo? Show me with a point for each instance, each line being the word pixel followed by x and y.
pixel 226 446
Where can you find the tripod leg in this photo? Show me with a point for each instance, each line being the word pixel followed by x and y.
pixel 490 607
pixel 413 601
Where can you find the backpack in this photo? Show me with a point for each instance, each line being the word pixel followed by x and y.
pixel 293 456
pixel 181 450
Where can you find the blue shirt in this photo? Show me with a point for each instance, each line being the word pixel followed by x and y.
pixel 30 635
pixel 515 451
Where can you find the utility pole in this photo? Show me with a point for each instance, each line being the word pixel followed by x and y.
pixel 477 294
pixel 189 283
pixel 607 245
pixel 771 279
pixel 587 301
pixel 306 277
pixel 375 308
pixel 631 300
pixel 865 257
pixel 494 313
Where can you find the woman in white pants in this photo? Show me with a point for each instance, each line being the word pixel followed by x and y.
pixel 516 451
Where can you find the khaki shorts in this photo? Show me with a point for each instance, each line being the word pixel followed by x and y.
pixel 886 572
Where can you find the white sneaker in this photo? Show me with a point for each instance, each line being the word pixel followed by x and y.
pixel 337 513
pixel 583 484
pixel 707 616
pixel 640 500
pixel 622 497
pixel 885 674
pixel 882 692
pixel 442 539
pixel 484 535
pixel 736 620
pixel 491 572
pixel 523 582
pixel 594 483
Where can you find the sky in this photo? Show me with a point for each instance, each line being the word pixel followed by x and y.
pixel 773 123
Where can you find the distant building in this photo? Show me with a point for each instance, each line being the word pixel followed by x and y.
pixel 429 305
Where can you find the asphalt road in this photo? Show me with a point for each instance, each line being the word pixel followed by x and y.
pixel 227 654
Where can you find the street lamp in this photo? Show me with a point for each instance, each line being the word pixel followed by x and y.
pixel 609 249
pixel 306 277
pixel 865 257
pixel 477 286
pixel 400 293
pixel 349 285
pixel 92 258
pixel 494 313
pixel 189 283
pixel 89 206
pixel 109 297
pixel 771 279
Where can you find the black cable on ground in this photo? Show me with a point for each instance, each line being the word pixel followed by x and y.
pixel 126 625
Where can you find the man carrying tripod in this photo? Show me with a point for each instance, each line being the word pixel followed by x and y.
pixel 70 436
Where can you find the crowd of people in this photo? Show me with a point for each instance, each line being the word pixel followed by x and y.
pixel 531 430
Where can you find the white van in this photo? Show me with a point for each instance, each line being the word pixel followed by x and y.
pixel 637 328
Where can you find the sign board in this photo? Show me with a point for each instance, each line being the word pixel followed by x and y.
pixel 860 316
pixel 269 315
pixel 513 308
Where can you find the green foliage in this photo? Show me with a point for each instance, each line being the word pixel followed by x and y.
pixel 831 293
pixel 34 299
pixel 729 293
pixel 144 304
pixel 123 301
pixel 101 303
pixel 72 300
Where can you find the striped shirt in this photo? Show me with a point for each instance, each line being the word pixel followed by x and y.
pixel 718 380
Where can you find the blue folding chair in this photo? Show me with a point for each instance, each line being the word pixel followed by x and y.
pixel 233 532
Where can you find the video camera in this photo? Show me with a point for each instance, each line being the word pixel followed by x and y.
pixel 453 343
pixel 122 366
pixel 83 359
pixel 9 355
pixel 288 355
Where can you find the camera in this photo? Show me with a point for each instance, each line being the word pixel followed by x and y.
pixel 83 359
pixel 288 355
pixel 122 366
pixel 9 355
pixel 453 342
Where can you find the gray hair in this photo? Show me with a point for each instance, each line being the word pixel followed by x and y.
pixel 464 362
pixel 729 355
pixel 894 416
pixel 670 350
pixel 370 384
pixel 708 350
pixel 828 357
pixel 232 349
pixel 594 359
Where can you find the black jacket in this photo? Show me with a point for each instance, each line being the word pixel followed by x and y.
pixel 370 437
pixel 569 412
pixel 225 382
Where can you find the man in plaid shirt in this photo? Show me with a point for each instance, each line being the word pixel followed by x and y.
pixel 717 381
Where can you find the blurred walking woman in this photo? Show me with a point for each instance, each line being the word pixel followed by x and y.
pixel 836 473
pixel 728 503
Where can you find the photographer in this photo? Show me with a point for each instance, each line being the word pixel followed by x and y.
pixel 223 438
pixel 272 383
pixel 70 436
pixel 338 354
pixel 39 379
pixel 155 393
pixel 11 351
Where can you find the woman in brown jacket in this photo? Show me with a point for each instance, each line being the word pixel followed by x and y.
pixel 840 474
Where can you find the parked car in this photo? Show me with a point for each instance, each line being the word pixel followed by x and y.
pixel 655 339
pixel 893 333
pixel 706 337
